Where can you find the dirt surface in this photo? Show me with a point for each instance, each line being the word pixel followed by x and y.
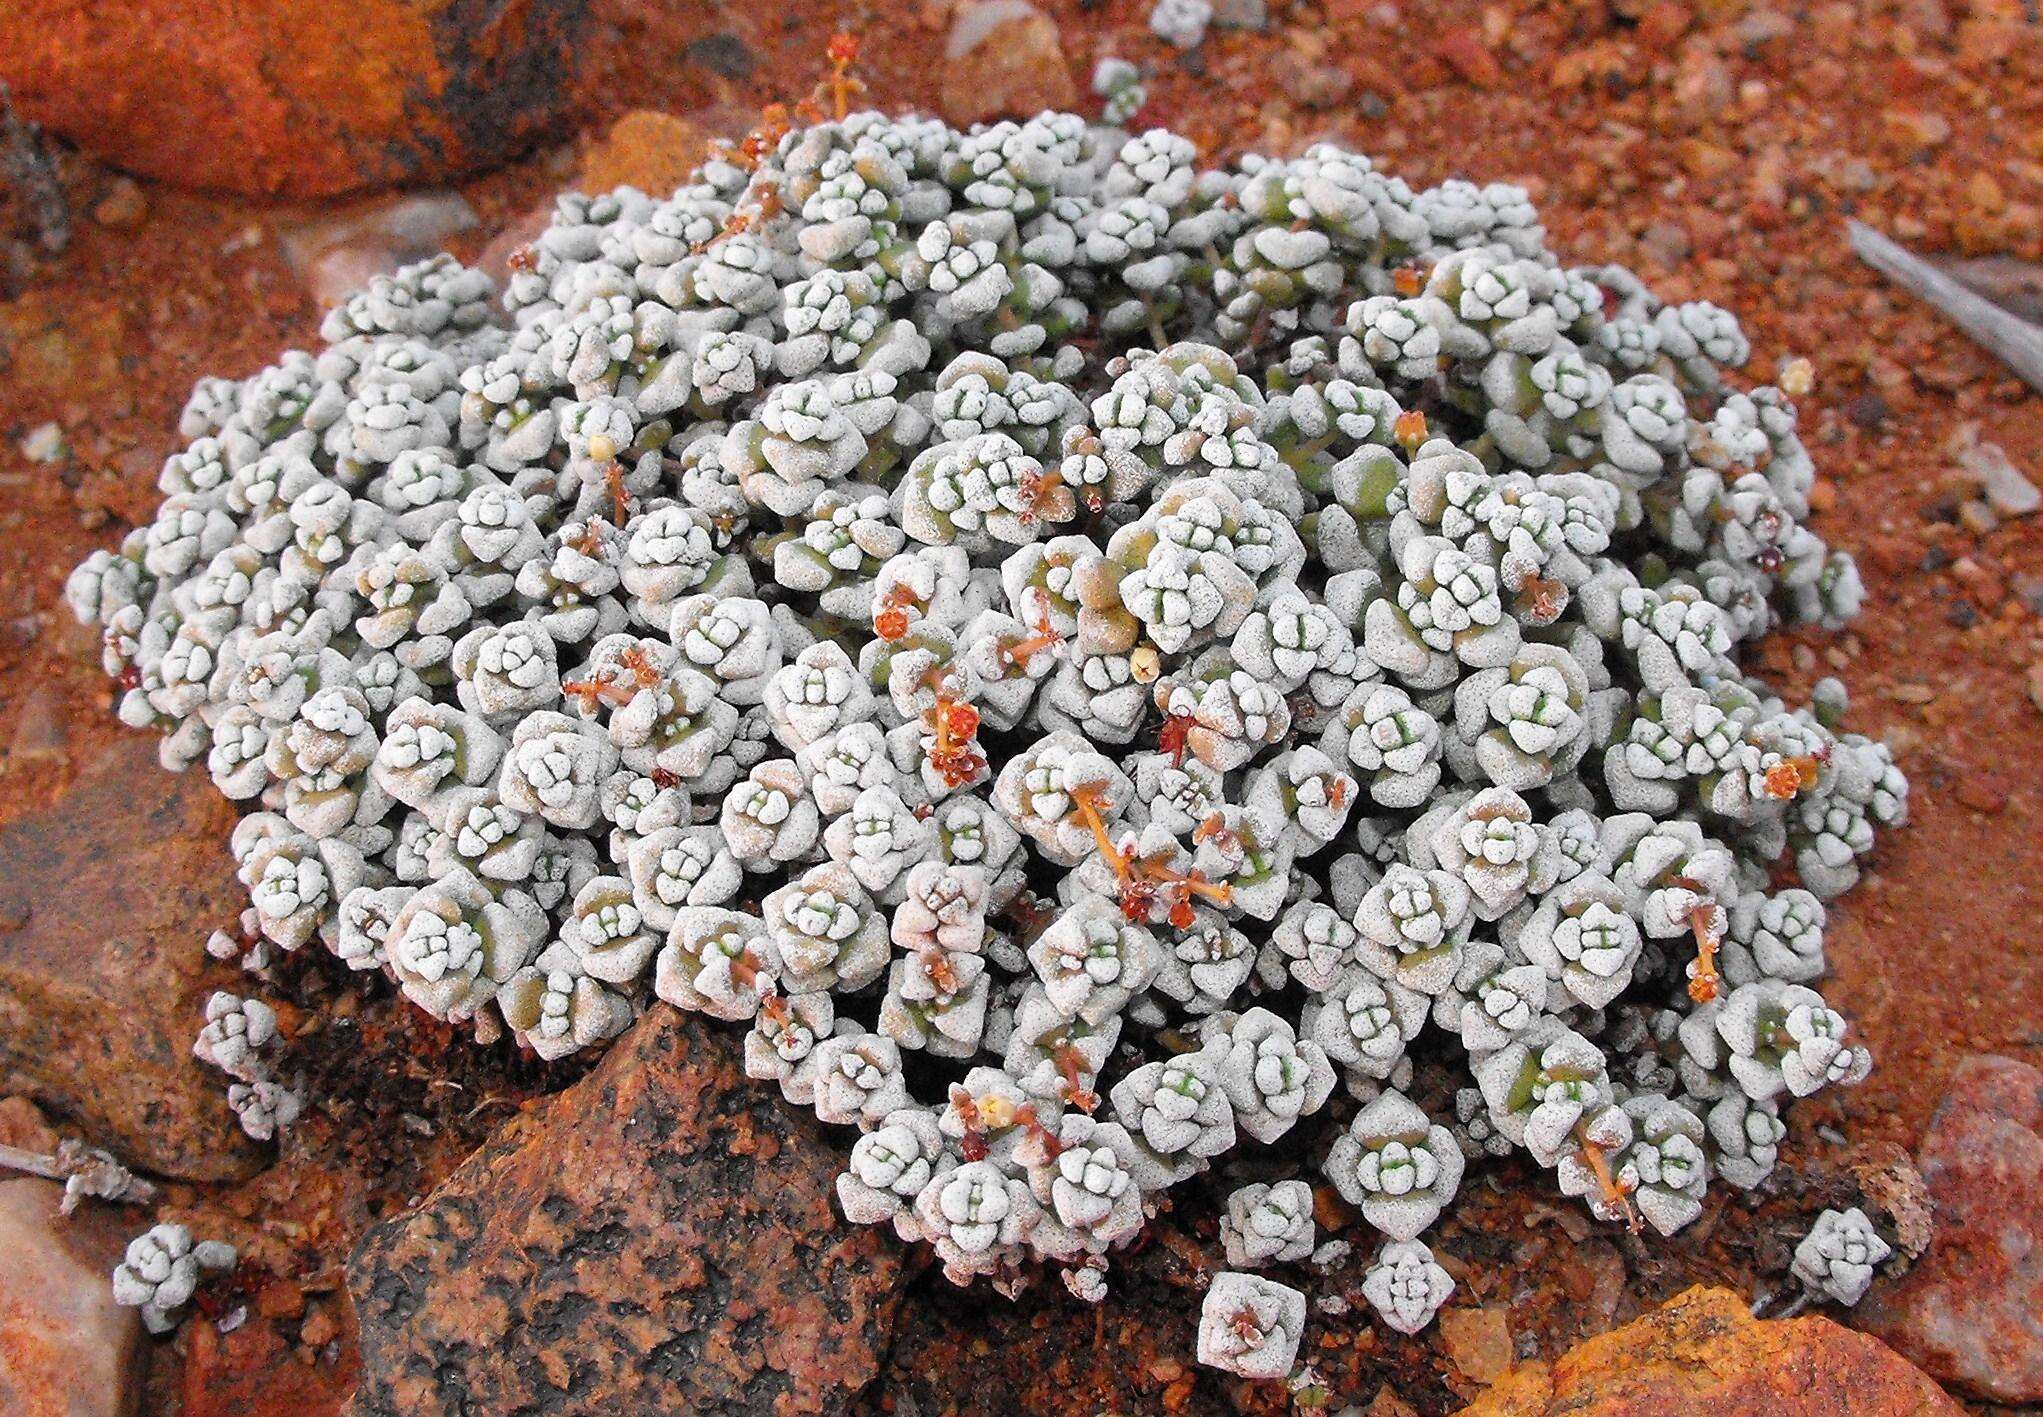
pixel 1715 147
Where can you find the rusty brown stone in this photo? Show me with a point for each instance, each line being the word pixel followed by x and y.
pixel 660 1237
pixel 22 1125
pixel 301 100
pixel 256 1367
pixel 1478 1341
pixel 652 151
pixel 1464 51
pixel 1004 60
pixel 1971 1310
pixel 1702 1354
pixel 106 898
pixel 66 1348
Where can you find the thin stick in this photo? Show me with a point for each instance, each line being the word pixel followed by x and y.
pixel 34 1163
pixel 2013 340
pixel 85 1171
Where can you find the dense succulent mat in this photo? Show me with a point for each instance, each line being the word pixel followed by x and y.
pixel 1084 657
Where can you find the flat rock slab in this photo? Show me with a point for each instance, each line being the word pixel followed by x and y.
pixel 305 101
pixel 106 898
pixel 661 1237
pixel 66 1348
pixel 1971 1310
pixel 1702 1354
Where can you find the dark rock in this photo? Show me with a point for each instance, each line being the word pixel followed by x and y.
pixel 1241 14
pixel 1702 1354
pixel 65 1346
pixel 301 100
pixel 1869 411
pixel 722 54
pixel 111 891
pixel 660 1237
pixel 1971 1310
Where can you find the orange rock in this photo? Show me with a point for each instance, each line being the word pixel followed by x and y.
pixel 646 149
pixel 1664 22
pixel 65 1345
pixel 1702 1354
pixel 609 1241
pixel 105 897
pixel 1004 60
pixel 1478 1341
pixel 22 1125
pixel 255 1367
pixel 1967 1310
pixel 1465 52
pixel 298 99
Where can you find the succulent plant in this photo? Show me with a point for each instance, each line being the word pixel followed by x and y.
pixel 1838 1256
pixel 1268 1224
pixel 1250 1326
pixel 1405 1286
pixel 1015 620
pixel 161 1271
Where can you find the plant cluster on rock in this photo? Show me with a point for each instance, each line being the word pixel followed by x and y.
pixel 1090 660
pixel 162 1269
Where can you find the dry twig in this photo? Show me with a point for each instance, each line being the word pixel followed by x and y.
pixel 2014 341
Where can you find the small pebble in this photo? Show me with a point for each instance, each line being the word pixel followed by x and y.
pixel 124 206
pixel 44 443
pixel 320 1327
pixel 2007 488
pixel 1978 518
pixel 1982 792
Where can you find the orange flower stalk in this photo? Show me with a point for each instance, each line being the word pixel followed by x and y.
pixel 952 754
pixel 620 499
pixel 1616 1194
pixel 1707 981
pixel 1047 637
pixel 1088 812
pixel 1196 884
pixel 745 973
pixel 591 692
pixel 1175 737
pixel 936 967
pixel 611 688
pixel 644 672
pixel 1025 1117
pixel 973 1144
pixel 1071 1067
pixel 842 85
